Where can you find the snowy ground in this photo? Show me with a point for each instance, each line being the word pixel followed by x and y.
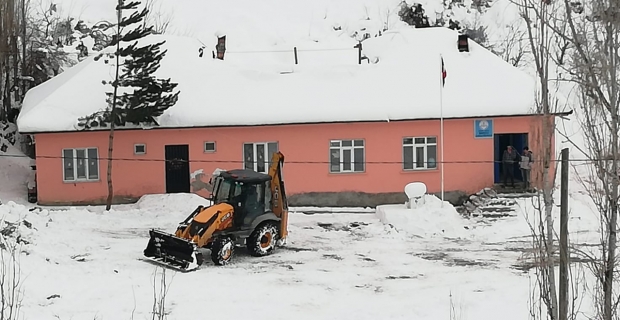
pixel 83 263
pixel 335 266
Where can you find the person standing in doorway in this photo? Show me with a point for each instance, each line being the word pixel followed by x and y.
pixel 509 159
pixel 526 167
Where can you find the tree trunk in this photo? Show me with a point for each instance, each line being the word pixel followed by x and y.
pixel 113 111
pixel 547 130
pixel 608 306
pixel 110 149
pixel 1 82
pixel 16 95
pixel 548 204
pixel 24 22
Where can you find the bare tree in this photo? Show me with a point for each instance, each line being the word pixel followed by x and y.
pixel 10 279
pixel 541 22
pixel 454 314
pixel 514 45
pixel 156 17
pixel 9 55
pixel 536 260
pixel 593 34
pixel 160 292
pixel 46 34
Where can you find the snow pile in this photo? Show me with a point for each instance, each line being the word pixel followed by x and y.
pixel 427 220
pixel 19 225
pixel 14 166
pixel 314 210
pixel 183 203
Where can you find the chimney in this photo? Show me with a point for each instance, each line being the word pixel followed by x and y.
pixel 221 47
pixel 463 43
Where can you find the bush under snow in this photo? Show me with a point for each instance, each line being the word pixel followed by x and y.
pixel 19 224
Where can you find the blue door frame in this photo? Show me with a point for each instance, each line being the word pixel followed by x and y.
pixel 500 143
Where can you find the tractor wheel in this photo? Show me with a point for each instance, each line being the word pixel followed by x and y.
pixel 222 250
pixel 263 240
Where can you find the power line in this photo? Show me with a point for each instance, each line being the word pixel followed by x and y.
pixel 290 162
pixel 292 50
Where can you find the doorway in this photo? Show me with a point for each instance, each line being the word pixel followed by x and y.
pixel 177 169
pixel 502 141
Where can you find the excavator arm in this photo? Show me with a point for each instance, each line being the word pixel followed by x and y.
pixel 279 204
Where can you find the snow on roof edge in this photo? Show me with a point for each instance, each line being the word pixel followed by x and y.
pixel 279 124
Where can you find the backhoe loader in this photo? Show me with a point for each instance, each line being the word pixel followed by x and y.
pixel 248 208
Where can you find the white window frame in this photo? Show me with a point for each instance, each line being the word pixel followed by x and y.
pixel 136 145
pixel 75 165
pixel 415 145
pixel 204 147
pixel 267 159
pixel 340 150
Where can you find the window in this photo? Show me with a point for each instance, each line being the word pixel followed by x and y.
pixel 346 156
pixel 419 153
pixel 210 146
pixel 139 148
pixel 80 164
pixel 257 156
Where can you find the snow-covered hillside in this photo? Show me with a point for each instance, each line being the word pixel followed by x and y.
pixel 276 24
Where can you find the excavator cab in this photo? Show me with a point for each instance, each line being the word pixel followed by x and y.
pixel 244 190
pixel 248 208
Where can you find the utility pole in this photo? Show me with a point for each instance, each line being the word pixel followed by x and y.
pixel 564 259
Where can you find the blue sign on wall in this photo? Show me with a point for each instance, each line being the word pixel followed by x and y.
pixel 483 128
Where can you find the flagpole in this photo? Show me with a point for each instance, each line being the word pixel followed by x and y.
pixel 441 79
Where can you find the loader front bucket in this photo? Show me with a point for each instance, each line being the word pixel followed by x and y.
pixel 172 251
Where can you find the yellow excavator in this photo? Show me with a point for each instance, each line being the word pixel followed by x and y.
pixel 248 208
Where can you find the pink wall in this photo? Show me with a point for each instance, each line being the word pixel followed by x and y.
pixel 298 143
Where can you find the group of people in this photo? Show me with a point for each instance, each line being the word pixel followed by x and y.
pixel 511 158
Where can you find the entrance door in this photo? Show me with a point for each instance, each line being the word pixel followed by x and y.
pixel 502 141
pixel 177 169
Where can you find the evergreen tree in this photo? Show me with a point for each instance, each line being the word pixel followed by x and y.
pixel 151 96
pixel 413 15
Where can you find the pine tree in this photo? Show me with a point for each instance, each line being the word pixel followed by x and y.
pixel 150 97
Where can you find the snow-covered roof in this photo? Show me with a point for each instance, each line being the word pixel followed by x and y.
pixel 401 81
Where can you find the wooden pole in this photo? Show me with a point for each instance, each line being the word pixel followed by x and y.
pixel 295 50
pixel 564 258
pixel 359 52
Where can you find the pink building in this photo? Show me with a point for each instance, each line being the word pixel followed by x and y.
pixel 352 134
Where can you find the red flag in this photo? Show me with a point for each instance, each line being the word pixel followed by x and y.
pixel 444 74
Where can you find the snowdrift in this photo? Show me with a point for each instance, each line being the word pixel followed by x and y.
pixel 19 224
pixel 183 202
pixel 14 166
pixel 428 220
